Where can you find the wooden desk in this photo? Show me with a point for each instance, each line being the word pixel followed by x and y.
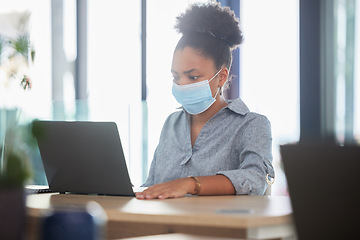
pixel 178 236
pixel 255 217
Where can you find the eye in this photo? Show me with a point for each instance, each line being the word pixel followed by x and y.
pixel 193 78
pixel 175 78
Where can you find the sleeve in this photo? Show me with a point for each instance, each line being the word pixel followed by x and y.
pixel 255 158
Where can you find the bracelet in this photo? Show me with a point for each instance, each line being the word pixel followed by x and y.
pixel 198 185
pixel 269 181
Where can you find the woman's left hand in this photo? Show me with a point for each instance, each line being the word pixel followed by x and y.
pixel 173 189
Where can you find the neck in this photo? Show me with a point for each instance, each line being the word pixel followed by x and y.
pixel 215 108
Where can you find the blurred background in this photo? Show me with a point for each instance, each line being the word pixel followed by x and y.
pixel 109 60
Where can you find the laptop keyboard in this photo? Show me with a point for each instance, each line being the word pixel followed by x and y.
pixel 36 189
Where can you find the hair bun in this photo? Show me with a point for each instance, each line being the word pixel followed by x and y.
pixel 211 18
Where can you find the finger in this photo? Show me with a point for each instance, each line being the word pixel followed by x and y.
pixel 147 195
pixel 154 191
pixel 153 195
pixel 161 193
pixel 140 195
pixel 164 196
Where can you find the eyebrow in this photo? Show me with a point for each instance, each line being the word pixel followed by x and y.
pixel 185 72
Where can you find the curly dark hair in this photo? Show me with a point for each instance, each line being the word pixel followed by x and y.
pixel 212 29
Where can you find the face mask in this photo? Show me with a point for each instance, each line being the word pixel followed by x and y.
pixel 195 97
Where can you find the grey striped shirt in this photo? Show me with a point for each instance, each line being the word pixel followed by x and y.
pixel 234 142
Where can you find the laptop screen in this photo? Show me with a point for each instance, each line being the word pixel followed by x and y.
pixel 324 189
pixel 83 157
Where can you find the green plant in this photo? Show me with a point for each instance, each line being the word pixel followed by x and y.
pixel 15 167
pixel 15 56
pixel 16 50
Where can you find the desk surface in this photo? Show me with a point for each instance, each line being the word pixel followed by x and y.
pixel 231 212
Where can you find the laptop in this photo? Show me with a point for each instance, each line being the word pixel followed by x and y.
pixel 324 188
pixel 83 157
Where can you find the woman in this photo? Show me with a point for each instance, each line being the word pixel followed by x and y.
pixel 212 146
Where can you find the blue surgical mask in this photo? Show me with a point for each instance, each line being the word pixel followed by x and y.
pixel 195 97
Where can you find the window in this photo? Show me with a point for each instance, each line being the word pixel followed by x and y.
pixel 347 65
pixel 357 75
pixel 114 73
pixel 113 63
pixel 269 70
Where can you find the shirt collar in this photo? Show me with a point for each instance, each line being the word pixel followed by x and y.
pixel 237 106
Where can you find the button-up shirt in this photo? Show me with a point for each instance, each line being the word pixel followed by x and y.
pixel 235 142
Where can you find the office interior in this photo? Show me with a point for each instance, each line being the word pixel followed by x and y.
pixel 110 61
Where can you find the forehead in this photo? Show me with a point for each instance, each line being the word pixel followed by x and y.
pixel 190 58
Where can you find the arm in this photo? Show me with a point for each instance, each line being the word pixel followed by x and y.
pixel 255 157
pixel 210 185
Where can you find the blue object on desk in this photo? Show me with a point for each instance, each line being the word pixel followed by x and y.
pixel 70 225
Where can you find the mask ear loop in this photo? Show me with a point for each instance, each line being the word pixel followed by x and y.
pixel 219 88
pixel 215 75
pixel 217 92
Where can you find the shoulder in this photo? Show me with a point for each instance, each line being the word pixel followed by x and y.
pixel 175 117
pixel 247 119
pixel 239 107
pixel 175 122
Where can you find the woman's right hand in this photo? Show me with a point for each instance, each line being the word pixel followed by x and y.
pixel 173 189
